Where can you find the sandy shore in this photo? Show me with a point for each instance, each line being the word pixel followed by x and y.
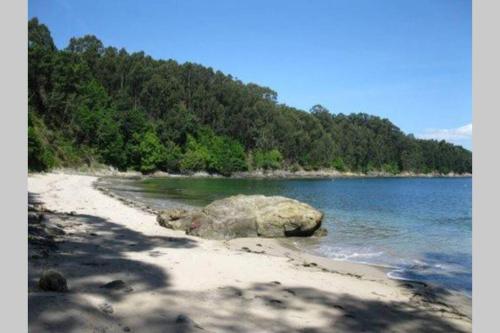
pixel 178 283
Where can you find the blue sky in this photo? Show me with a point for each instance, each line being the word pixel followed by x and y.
pixel 408 61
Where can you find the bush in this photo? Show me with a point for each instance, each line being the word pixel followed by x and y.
pixel 227 156
pixel 213 153
pixel 391 168
pixel 295 167
pixel 173 156
pixel 338 164
pixel 152 153
pixel 196 158
pixel 40 156
pixel 271 159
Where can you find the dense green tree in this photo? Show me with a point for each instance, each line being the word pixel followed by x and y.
pixel 40 156
pixel 227 155
pixel 213 153
pixel 95 104
pixel 267 160
pixel 152 153
pixel 196 158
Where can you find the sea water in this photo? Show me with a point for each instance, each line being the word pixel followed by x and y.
pixel 419 228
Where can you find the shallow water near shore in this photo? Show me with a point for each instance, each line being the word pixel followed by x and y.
pixel 421 228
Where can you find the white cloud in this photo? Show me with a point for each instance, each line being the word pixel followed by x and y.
pixel 454 135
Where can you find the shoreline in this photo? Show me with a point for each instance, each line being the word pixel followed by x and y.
pixel 285 243
pixel 242 263
pixel 259 174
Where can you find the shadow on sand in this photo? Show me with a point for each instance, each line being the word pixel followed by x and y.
pixel 91 251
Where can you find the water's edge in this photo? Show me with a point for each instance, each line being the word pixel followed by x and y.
pixel 104 184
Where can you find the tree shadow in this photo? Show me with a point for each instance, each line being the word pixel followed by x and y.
pixel 34 199
pixel 89 251
pixel 338 312
pixel 273 307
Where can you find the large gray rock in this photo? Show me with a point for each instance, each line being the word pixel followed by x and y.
pixel 250 216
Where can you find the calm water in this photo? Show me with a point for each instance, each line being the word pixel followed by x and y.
pixel 419 227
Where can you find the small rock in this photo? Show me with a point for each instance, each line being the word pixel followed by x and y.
pixel 276 303
pixel 106 308
pixel 126 329
pixel 183 319
pixel 115 284
pixel 52 280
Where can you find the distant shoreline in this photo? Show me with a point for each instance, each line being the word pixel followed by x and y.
pixel 257 174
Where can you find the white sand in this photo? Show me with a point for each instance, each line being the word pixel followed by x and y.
pixel 221 287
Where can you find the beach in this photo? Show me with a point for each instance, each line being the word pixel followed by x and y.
pixel 178 283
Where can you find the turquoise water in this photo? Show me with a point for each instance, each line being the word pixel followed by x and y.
pixel 419 227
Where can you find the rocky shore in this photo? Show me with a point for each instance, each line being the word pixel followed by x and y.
pixel 97 264
pixel 259 174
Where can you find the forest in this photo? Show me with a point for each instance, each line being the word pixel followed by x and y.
pixel 90 104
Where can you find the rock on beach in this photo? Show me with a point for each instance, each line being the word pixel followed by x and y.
pixel 246 216
pixel 52 280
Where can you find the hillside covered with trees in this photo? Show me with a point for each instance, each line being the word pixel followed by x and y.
pixel 94 104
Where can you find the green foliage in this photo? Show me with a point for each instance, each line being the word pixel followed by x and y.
pixel 271 159
pixel 98 104
pixel 110 143
pixel 196 158
pixel 152 153
pixel 173 156
pixel 213 153
pixel 227 155
pixel 40 157
pixel 391 168
pixel 338 164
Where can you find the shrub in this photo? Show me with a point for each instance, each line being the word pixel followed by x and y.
pixel 40 156
pixel 271 159
pixel 196 158
pixel 152 153
pixel 391 168
pixel 213 153
pixel 227 156
pixel 338 164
